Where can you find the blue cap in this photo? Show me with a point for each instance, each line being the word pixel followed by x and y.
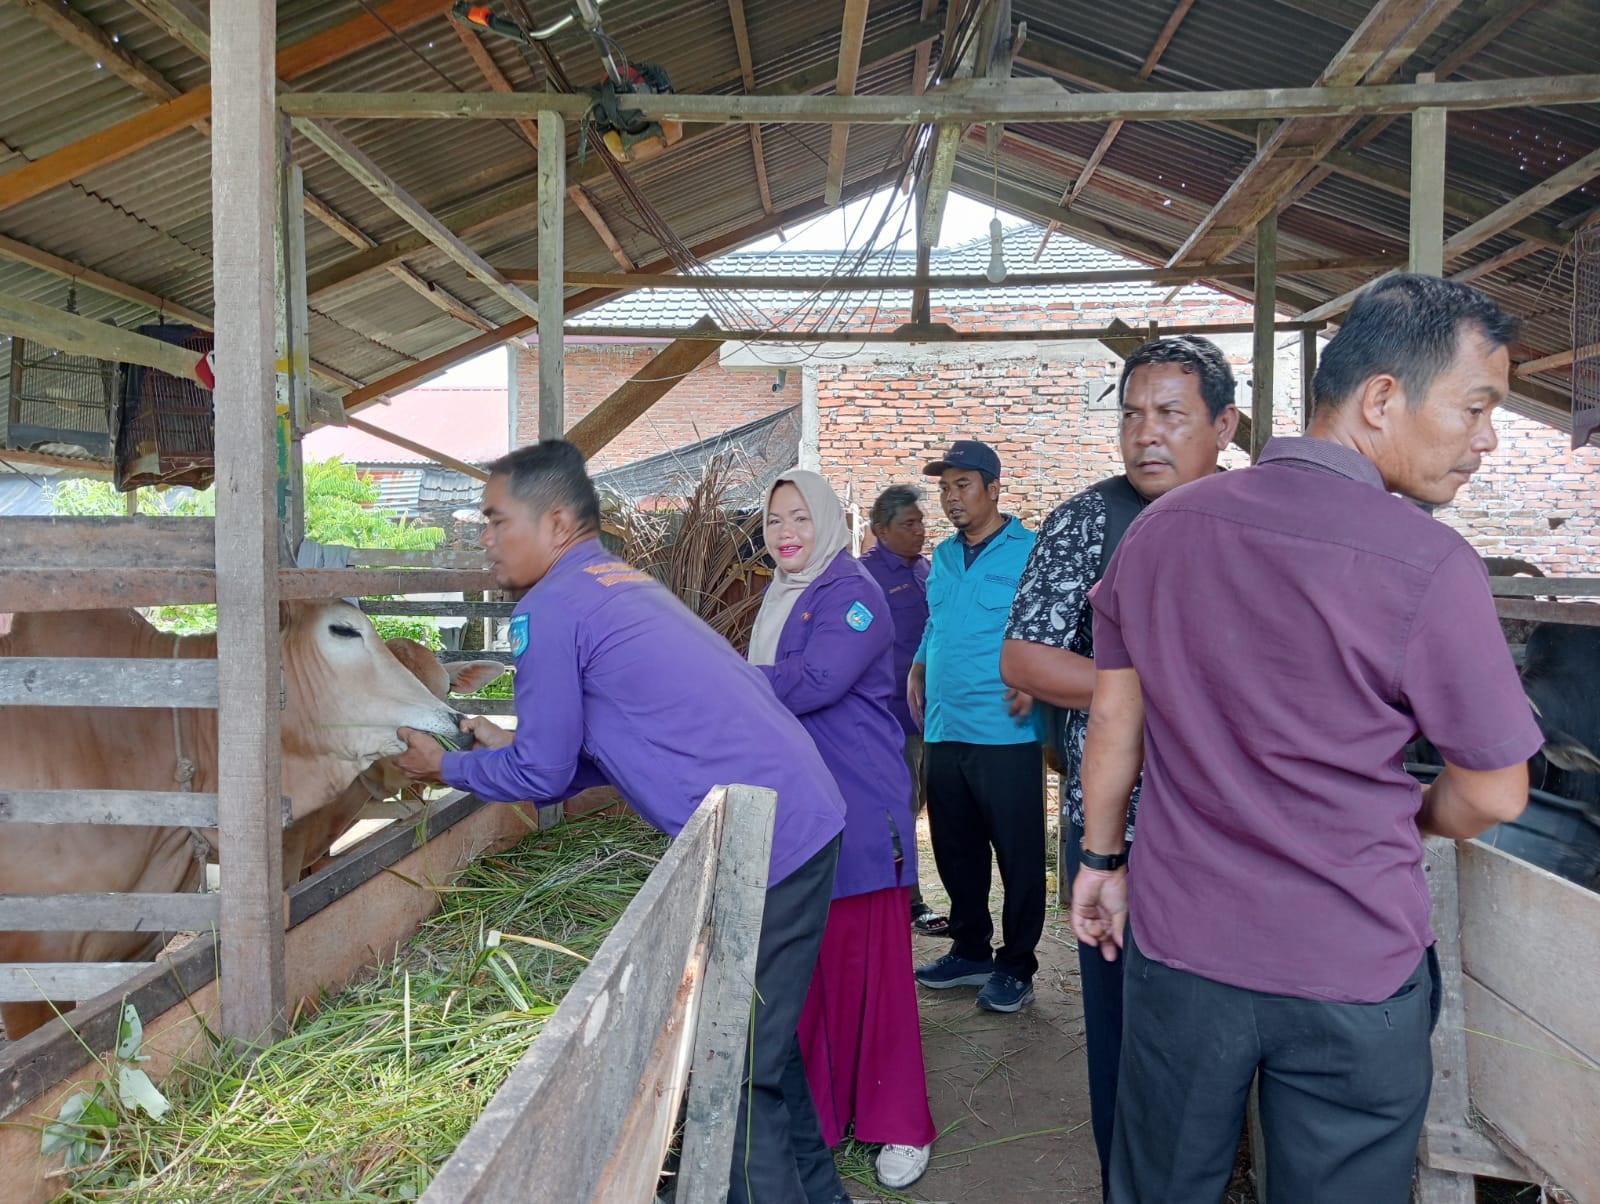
pixel 966 453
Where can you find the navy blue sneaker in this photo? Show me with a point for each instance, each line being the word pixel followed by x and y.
pixel 1003 993
pixel 953 971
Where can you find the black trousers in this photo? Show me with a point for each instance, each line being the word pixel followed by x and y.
pixel 983 796
pixel 1344 1088
pixel 1101 984
pixel 779 1156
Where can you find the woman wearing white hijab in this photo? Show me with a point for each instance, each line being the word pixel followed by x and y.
pixel 823 637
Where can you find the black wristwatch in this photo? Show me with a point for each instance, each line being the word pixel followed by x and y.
pixel 1104 862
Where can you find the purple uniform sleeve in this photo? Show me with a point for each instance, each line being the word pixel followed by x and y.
pixel 545 761
pixel 1457 676
pixel 833 658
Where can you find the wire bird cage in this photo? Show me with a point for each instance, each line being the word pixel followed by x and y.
pixel 1585 334
pixel 57 398
pixel 165 432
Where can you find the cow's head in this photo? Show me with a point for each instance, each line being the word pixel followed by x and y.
pixel 345 696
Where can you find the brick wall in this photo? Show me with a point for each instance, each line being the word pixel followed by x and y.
pixel 705 403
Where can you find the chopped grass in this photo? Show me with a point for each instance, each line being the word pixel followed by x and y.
pixel 367 1098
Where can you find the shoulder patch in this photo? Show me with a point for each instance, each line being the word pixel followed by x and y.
pixel 519 634
pixel 858 616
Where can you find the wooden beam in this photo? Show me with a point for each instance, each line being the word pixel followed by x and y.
pixel 1560 359
pixel 439 362
pixel 422 449
pixel 71 332
pixel 434 294
pixel 1264 349
pixel 747 75
pixel 141 130
pixel 1495 262
pixel 1163 40
pixel 143 808
pixel 552 263
pixel 248 666
pixel 1428 145
pixel 644 388
pixel 108 911
pixel 1391 32
pixel 635 281
pixel 851 33
pixel 584 203
pixel 179 20
pixel 67 269
pixel 355 161
pixel 1575 175
pixel 1092 73
pixel 82 681
pixel 492 75
pixel 84 35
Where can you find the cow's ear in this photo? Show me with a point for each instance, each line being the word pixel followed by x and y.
pixel 468 677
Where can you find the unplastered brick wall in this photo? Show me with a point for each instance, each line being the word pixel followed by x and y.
pixel 708 401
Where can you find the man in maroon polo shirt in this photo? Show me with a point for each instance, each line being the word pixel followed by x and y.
pixel 1266 643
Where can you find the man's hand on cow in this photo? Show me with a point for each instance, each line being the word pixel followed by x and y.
pixel 1100 909
pixel 487 733
pixel 422 757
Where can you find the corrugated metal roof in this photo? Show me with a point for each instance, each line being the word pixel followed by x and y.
pixel 145 218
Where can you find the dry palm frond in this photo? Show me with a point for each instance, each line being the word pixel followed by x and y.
pixel 704 550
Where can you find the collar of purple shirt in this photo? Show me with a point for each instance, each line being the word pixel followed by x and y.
pixel 1323 454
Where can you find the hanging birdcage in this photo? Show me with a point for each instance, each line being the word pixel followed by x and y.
pixel 165 423
pixel 60 399
pixel 1585 334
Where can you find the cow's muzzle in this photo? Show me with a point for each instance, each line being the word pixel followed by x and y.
pixel 464 740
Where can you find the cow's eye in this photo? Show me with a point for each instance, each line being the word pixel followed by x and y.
pixel 344 631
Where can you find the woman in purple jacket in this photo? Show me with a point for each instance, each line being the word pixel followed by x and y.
pixel 823 637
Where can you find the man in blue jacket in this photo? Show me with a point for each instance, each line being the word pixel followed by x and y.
pixel 617 681
pixel 984 766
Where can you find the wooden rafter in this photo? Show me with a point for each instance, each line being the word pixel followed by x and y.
pixel 1500 17
pixel 851 32
pixel 584 203
pixel 747 75
pixel 643 389
pixel 179 20
pixel 143 129
pixel 434 294
pixel 21 252
pixel 1495 262
pixel 1163 40
pixel 485 208
pixel 355 161
pixel 1574 175
pixel 1091 73
pixel 578 302
pixel 1390 34
pixel 84 35
pixel 922 60
pixel 70 332
pixel 1560 359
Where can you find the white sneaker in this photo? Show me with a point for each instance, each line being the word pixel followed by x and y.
pixel 902 1165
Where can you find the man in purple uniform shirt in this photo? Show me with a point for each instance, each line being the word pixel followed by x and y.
pixel 897 564
pixel 617 681
pixel 1267 642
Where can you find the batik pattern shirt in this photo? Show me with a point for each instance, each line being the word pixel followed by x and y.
pixel 1052 608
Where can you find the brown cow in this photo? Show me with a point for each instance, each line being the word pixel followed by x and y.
pixel 344 696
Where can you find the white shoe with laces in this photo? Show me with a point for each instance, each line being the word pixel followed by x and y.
pixel 902 1165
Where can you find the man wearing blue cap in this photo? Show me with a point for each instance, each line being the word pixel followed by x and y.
pixel 983 764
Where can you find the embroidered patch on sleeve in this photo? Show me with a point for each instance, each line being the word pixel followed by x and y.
pixel 858 616
pixel 519 634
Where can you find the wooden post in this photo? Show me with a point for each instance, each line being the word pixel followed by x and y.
pixel 1427 187
pixel 293 337
pixel 1264 351
pixel 740 896
pixel 1449 1106
pixel 249 678
pixel 552 259
pixel 1308 375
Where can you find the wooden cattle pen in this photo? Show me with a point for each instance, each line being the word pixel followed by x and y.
pixel 1347 140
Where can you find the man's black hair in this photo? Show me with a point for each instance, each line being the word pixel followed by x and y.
pixel 890 502
pixel 548 474
pixel 1196 356
pixel 1407 326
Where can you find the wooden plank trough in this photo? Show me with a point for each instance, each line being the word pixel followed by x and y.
pixel 590 1108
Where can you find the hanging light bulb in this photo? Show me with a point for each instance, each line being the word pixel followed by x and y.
pixel 997 259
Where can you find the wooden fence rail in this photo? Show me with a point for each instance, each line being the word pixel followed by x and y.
pixel 86 681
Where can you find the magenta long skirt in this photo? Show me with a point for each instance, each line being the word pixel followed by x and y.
pixel 859 1031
